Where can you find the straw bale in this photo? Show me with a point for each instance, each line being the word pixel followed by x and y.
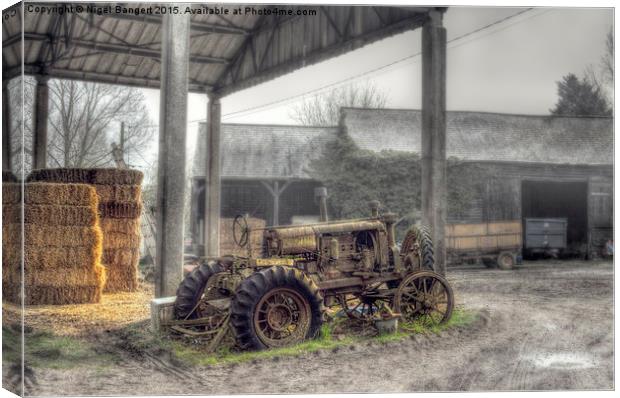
pixel 51 258
pixel 121 278
pixel 80 176
pixel 57 236
pixel 120 209
pixel 8 176
pixel 119 193
pixel 88 176
pixel 117 177
pixel 82 276
pixel 126 226
pixel 60 194
pixel 120 256
pixel 11 193
pixel 51 215
pixel 42 295
pixel 114 240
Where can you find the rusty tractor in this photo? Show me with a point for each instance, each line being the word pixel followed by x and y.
pixel 278 297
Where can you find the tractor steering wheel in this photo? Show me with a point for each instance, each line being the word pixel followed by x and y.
pixel 240 230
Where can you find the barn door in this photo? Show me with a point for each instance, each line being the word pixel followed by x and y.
pixel 600 214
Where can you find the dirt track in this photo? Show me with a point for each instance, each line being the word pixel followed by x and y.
pixel 547 325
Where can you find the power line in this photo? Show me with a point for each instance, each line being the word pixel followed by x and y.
pixel 283 101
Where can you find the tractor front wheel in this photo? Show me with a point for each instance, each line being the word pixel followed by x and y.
pixel 276 307
pixel 191 290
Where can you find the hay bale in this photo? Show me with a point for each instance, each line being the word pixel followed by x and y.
pixel 56 235
pixel 60 194
pixel 62 175
pixel 120 209
pixel 88 176
pixel 51 258
pixel 120 226
pixel 114 240
pixel 78 276
pixel 120 256
pixel 52 295
pixel 11 193
pixel 51 215
pixel 119 193
pixel 121 278
pixel 8 176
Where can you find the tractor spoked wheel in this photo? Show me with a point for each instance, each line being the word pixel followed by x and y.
pixel 276 307
pixel 191 291
pixel 424 296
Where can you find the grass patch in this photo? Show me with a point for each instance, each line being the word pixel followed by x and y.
pixel 194 355
pixel 46 350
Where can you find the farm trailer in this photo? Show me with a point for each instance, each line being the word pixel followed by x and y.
pixel 495 243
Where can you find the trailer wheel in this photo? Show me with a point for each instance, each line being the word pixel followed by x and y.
pixel 192 288
pixel 489 262
pixel 506 260
pixel 276 307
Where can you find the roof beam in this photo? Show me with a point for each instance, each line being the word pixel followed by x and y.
pixel 195 26
pixel 118 48
pixel 99 77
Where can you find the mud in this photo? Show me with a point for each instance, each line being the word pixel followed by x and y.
pixel 545 326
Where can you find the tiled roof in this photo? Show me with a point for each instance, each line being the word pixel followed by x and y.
pixel 265 151
pixel 482 136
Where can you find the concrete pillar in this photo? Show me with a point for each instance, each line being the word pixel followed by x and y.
pixel 212 174
pixel 276 203
pixel 171 167
pixel 6 127
pixel 434 194
pixel 39 144
pixel 321 194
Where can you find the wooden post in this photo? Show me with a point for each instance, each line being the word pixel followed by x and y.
pixel 6 127
pixel 434 196
pixel 212 178
pixel 40 122
pixel 171 167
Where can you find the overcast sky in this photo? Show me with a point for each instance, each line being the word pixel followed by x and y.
pixel 511 67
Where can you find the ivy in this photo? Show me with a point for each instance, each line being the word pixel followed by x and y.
pixel 354 177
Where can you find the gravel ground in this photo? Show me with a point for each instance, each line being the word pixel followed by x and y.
pixel 544 326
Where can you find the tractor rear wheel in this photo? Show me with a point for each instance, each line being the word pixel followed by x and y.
pixel 276 307
pixel 192 288
pixel 417 250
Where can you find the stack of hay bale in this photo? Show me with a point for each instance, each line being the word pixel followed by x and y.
pixel 61 248
pixel 227 241
pixel 119 194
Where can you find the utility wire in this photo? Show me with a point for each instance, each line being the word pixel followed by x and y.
pixel 254 109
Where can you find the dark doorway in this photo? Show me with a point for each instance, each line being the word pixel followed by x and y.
pixel 551 199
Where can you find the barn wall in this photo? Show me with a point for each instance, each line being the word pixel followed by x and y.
pixel 501 196
pixel 253 198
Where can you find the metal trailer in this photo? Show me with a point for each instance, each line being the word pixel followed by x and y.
pixel 545 235
pixel 495 243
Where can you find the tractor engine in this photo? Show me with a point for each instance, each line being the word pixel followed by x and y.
pixel 337 249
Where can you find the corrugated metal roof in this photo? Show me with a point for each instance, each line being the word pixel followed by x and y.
pixel 265 151
pixel 480 136
pixel 227 52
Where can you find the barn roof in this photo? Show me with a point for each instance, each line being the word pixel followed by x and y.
pixel 495 137
pixel 277 151
pixel 121 43
pixel 265 151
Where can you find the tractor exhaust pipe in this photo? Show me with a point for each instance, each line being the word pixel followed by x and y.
pixel 321 194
